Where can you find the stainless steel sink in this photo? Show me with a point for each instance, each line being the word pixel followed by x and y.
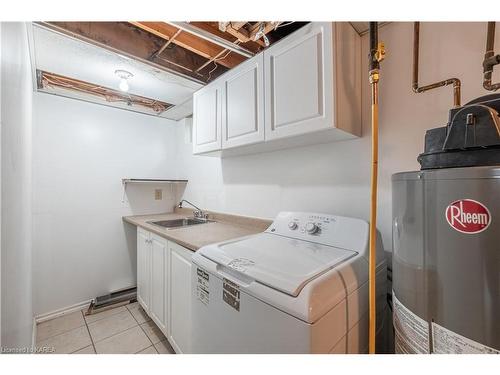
pixel 179 223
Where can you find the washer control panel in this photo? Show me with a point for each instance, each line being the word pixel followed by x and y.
pixel 302 225
pixel 332 230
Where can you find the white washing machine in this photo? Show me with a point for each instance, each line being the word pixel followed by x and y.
pixel 299 287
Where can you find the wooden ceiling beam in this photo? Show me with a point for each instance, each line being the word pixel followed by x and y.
pixel 188 41
pixel 268 27
pixel 213 27
pixel 128 39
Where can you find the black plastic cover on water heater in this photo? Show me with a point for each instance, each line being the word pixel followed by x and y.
pixel 471 137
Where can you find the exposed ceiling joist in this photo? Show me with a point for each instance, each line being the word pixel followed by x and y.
pixel 200 46
pixel 213 28
pixel 126 38
pixel 222 42
pixel 245 35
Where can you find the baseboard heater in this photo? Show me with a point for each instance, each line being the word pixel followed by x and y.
pixel 111 300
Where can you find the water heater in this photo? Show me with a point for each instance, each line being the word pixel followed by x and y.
pixel 446 238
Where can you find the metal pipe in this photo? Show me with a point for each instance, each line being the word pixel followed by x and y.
pixel 200 33
pixel 376 55
pixel 451 81
pixel 490 59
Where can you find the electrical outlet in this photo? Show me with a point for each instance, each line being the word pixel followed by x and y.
pixel 158 194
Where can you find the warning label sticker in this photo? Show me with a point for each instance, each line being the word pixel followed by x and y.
pixel 231 294
pixel 411 331
pixel 203 286
pixel 448 342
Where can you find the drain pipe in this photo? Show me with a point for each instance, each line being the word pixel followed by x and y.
pixel 377 53
pixel 419 89
pixel 490 59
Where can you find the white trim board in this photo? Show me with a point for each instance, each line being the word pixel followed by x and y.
pixel 33 334
pixel 63 311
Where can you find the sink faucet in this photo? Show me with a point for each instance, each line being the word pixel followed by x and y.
pixel 198 212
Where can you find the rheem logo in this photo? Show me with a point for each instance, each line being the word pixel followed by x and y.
pixel 468 216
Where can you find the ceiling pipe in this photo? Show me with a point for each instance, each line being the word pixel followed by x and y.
pixel 490 59
pixel 415 87
pixel 377 54
pixel 203 34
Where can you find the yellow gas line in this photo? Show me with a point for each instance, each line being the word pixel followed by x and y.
pixel 374 77
pixel 373 218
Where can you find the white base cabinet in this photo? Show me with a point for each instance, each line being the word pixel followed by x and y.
pixel 164 286
pixel 143 268
pixel 180 297
pixel 159 282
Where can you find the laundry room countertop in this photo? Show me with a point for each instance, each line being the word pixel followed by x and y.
pixel 224 227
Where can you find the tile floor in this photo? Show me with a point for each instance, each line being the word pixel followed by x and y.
pixel 122 330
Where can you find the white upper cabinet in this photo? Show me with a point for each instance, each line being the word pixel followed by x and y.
pixel 308 78
pixel 304 89
pixel 299 82
pixel 207 115
pixel 243 104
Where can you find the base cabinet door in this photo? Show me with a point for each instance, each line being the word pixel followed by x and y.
pixel 180 298
pixel 144 269
pixel 159 248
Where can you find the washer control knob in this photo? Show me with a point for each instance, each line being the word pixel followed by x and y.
pixel 311 228
pixel 292 225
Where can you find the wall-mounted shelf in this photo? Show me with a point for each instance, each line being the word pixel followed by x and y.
pixel 151 181
pixel 155 181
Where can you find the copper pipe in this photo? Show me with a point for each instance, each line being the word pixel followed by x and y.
pixel 451 81
pixel 490 59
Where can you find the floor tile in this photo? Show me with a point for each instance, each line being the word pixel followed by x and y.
pixel 68 342
pixel 153 332
pixel 150 350
pixel 164 347
pixel 59 325
pixel 138 312
pixel 130 341
pixel 87 350
pixel 104 314
pixel 112 325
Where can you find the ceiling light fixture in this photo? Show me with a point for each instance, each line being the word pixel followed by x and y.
pixel 124 76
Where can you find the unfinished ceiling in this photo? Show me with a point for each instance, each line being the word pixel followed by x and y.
pixel 94 68
pixel 200 51
pixel 166 61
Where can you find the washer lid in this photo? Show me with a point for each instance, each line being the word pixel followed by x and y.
pixel 281 263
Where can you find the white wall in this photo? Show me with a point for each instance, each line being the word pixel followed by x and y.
pixel 16 258
pixel 334 178
pixel 81 151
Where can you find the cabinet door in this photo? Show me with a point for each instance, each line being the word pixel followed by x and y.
pixel 207 117
pixel 158 280
pixel 243 104
pixel 299 82
pixel 180 297
pixel 143 268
